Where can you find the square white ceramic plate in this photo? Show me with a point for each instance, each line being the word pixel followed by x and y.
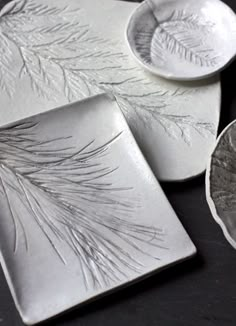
pixel 81 212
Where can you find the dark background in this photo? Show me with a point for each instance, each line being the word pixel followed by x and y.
pixel 199 292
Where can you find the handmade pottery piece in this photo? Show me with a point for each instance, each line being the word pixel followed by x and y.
pixel 81 211
pixel 221 183
pixel 62 51
pixel 183 39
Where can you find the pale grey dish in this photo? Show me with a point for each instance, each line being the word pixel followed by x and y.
pixel 183 39
pixel 221 183
pixel 81 212
pixel 62 51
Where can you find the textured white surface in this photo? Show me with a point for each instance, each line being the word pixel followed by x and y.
pixel 54 55
pixel 183 40
pixel 81 211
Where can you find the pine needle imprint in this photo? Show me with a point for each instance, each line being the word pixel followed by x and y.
pixel 69 194
pixel 181 34
pixel 223 176
pixel 60 55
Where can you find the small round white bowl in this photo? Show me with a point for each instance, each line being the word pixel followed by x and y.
pixel 183 39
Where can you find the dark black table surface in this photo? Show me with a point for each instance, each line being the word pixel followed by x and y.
pixel 199 292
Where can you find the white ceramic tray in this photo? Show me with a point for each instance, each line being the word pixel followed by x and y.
pixel 81 212
pixel 61 51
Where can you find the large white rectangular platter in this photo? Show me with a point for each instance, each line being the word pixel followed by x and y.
pixel 61 51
